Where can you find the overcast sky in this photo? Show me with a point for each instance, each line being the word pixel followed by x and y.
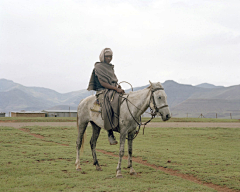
pixel 55 43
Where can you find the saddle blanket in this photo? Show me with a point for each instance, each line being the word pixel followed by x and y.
pixel 96 107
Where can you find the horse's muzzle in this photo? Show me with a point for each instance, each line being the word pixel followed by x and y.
pixel 167 117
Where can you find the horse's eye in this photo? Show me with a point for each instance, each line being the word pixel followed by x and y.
pixel 159 98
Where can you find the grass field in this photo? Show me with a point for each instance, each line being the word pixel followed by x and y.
pixel 144 119
pixel 32 164
pixel 38 119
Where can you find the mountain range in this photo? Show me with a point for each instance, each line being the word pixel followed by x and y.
pixel 183 100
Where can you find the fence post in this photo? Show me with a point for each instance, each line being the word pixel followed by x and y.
pixel 216 115
pixel 231 115
pixel 201 116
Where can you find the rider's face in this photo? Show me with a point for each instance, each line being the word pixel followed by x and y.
pixel 108 59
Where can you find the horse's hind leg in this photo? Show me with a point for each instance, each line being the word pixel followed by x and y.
pixel 130 141
pixel 93 142
pixel 81 129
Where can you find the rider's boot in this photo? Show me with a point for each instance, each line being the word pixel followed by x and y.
pixel 111 138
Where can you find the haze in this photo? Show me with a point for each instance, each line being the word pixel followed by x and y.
pixel 55 43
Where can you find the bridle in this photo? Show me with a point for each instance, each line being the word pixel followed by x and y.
pixel 153 113
pixel 154 102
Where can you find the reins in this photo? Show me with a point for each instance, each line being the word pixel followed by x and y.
pixel 153 114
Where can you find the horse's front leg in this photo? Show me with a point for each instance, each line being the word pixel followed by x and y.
pixel 121 153
pixel 130 141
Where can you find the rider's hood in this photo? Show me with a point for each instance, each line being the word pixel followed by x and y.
pixel 106 51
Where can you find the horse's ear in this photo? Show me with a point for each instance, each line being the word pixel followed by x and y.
pixel 150 82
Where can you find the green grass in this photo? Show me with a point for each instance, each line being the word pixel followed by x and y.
pixel 144 119
pixel 158 119
pixel 39 119
pixel 31 164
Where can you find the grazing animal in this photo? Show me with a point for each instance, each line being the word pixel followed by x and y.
pixel 130 111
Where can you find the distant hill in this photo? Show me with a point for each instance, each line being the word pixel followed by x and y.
pixel 14 97
pixel 207 85
pixel 208 107
pixel 208 101
pixel 205 98
pixel 187 100
pixel 177 93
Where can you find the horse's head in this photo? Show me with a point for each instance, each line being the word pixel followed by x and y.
pixel 158 101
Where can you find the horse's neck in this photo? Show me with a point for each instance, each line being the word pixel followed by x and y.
pixel 141 100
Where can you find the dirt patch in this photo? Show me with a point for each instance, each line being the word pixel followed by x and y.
pixel 24 124
pixel 40 136
pixel 35 135
pixel 172 172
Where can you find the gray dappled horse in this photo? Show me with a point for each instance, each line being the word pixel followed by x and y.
pixel 132 108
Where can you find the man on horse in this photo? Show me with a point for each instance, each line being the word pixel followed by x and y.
pixel 104 81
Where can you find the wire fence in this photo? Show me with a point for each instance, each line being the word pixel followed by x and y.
pixel 231 115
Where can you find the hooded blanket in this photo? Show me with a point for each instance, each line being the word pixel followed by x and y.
pixel 111 101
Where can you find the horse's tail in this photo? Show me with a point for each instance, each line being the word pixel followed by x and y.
pixel 84 137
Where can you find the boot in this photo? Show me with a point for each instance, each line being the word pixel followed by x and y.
pixel 111 138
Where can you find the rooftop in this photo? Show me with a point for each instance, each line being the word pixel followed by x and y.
pixel 60 111
pixel 27 111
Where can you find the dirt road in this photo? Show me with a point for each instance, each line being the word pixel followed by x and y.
pixel 153 124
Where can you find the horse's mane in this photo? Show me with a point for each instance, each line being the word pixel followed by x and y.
pixel 158 84
pixel 136 92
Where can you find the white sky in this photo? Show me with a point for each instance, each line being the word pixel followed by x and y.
pixel 55 43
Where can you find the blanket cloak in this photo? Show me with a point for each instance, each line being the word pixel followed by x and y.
pixel 111 101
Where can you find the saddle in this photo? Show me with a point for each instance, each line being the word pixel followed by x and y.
pixel 96 106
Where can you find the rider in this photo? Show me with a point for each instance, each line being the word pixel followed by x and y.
pixel 104 82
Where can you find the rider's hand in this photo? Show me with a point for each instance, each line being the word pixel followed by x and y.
pixel 119 90
pixel 119 86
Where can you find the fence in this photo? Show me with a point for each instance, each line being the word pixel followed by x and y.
pixel 235 115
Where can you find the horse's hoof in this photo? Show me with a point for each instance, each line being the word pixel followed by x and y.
pixel 132 171
pixel 119 176
pixel 78 169
pixel 98 168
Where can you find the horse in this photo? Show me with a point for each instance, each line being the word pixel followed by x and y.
pixel 133 106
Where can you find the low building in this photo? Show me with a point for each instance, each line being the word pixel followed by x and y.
pixel 27 114
pixel 2 114
pixel 60 113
